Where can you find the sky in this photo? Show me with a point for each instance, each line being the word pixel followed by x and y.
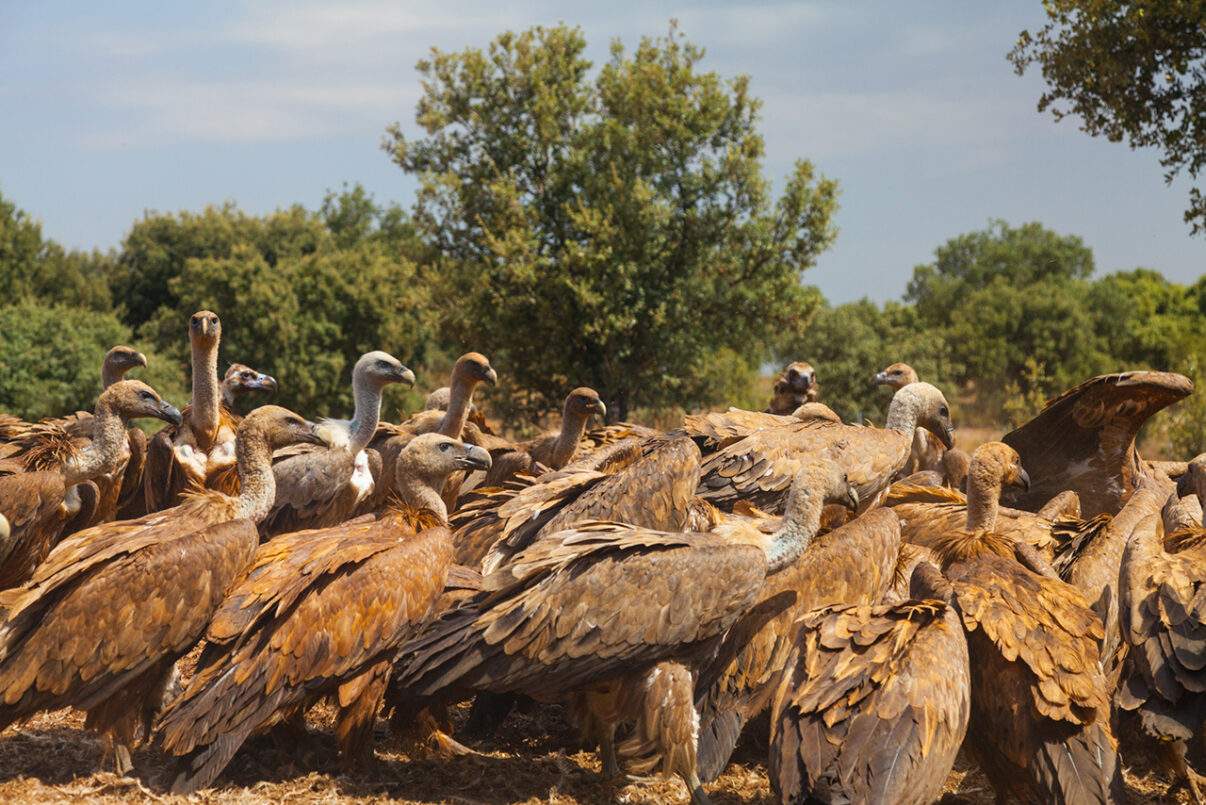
pixel 112 110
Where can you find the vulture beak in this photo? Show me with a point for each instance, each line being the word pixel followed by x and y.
pixel 599 408
pixel 851 498
pixel 140 359
pixel 317 435
pixel 1184 487
pixel 4 531
pixel 490 376
pixel 947 437
pixel 169 413
pixel 405 376
pixel 880 379
pixel 262 381
pixel 474 458
pixel 1024 480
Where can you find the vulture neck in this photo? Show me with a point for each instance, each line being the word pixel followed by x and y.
pixel 103 452
pixel 203 417
pixel 421 492
pixel 257 492
pixel 110 374
pixel 459 399
pixel 903 415
pixel 365 416
pixel 983 499
pixel 228 396
pixel 801 521
pixel 573 425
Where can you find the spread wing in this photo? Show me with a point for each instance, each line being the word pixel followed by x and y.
pixel 873 704
pixel 1084 440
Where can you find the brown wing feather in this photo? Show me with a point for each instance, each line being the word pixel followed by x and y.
pixel 873 705
pixel 759 468
pixel 33 504
pixel 77 635
pixel 312 490
pixel 1084 440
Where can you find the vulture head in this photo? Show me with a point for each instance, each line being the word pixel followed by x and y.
pixel 120 360
pixel 898 375
pixel 582 402
pixel 1193 481
pixel 240 379
pixel 925 406
pixel 475 368
pixel 378 369
pixel 995 465
pixel 133 399
pixel 427 462
pixel 798 377
pixel 278 427
pixel 816 411
pixel 204 328
pixel 819 477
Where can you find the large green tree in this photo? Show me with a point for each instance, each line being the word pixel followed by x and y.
pixel 1131 70
pixel 609 228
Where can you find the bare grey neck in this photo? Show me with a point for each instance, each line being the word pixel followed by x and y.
pixel 103 453
pixel 366 415
pixel 801 521
pixel 203 417
pixel 459 399
pixel 257 483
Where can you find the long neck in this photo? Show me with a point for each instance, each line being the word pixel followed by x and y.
pixel 800 523
pixel 573 425
pixel 204 414
pixel 902 416
pixel 459 398
pixel 228 396
pixel 110 374
pixel 103 452
pixel 421 492
pixel 366 415
pixel 257 483
pixel 983 500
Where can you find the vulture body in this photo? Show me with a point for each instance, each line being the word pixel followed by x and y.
pixel 603 603
pixel 1040 714
pixel 555 449
pixel 853 564
pixel 42 503
pixel 1084 440
pixel 863 713
pixel 758 468
pixel 321 486
pixel 320 612
pixel 186 456
pixel 795 386
pixel 102 621
pixel 1163 620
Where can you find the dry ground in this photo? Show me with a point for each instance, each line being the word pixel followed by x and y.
pixel 51 759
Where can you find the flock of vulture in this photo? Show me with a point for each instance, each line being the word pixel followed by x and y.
pixel 882 597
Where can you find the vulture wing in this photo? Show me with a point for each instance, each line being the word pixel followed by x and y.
pixel 1084 440
pixel 873 705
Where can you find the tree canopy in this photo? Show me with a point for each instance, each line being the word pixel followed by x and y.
pixel 610 229
pixel 1131 70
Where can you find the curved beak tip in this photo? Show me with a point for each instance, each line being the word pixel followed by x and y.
pixel 477 458
pixel 879 379
pixel 407 377
pixel 852 499
pixel 1025 478
pixel 492 377
pixel 140 359
pixel 1183 486
pixel 172 414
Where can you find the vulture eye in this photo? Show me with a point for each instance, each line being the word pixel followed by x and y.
pixel 943 411
pixel 382 365
pixel 445 447
pixel 147 396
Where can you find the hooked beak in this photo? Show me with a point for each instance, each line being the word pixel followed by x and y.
pixel 599 408
pixel 474 458
pixel 262 381
pixel 169 413
pixel 140 359
pixel 1184 487
pixel 880 379
pixel 317 435
pixel 851 498
pixel 947 437
pixel 1024 480
pixel 491 376
pixel 405 376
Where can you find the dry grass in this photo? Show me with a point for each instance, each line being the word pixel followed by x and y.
pixel 534 758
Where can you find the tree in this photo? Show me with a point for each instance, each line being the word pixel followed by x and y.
pixel 612 231
pixel 1132 70
pixel 1153 323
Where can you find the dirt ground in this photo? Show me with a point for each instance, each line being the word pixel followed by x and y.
pixel 533 758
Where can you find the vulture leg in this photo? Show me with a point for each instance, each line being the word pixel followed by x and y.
pixel 358 698
pixel 1171 755
pixel 607 750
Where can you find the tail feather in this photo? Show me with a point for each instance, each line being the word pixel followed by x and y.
pixel 1082 768
pixel 716 744
pixel 201 767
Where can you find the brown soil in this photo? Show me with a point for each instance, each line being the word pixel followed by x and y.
pixel 534 758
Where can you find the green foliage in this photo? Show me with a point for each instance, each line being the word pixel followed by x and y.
pixel 614 232
pixel 34 268
pixel 849 343
pixel 1152 323
pixel 50 360
pixel 304 314
pixel 1129 70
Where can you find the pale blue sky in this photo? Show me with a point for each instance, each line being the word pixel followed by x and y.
pixel 111 109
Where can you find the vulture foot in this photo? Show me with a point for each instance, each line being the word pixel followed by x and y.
pixel 122 763
pixel 1172 758
pixel 607 753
